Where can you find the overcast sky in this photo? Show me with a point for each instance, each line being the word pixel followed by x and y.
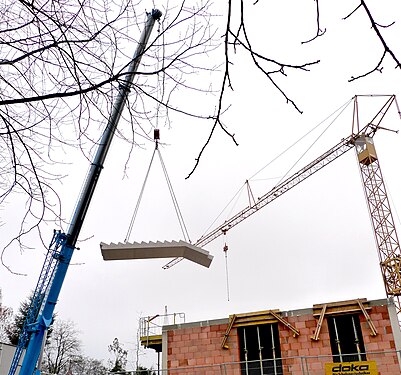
pixel 314 244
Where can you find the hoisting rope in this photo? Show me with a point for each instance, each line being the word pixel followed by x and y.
pixel 139 199
pixel 174 199
pixel 225 249
pixel 160 93
pixel 340 111
pixel 161 86
pixel 172 194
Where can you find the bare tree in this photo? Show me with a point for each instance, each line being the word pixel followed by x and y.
pixel 87 366
pixel 14 323
pixel 119 356
pixel 62 60
pixel 6 318
pixel 238 39
pixel 376 26
pixel 63 347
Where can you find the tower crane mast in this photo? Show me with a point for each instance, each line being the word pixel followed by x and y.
pixel 385 234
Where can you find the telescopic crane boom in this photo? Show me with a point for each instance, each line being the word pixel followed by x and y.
pixel 62 246
pixel 380 214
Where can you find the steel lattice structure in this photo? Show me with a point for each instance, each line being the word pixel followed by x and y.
pixel 385 233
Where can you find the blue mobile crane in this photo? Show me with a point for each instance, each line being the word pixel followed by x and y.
pixel 62 246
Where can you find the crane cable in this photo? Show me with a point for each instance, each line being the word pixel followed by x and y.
pixel 174 199
pixel 172 194
pixel 225 249
pixel 236 196
pixel 139 199
pixel 340 111
pixel 161 90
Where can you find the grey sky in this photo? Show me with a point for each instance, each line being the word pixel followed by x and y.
pixel 314 244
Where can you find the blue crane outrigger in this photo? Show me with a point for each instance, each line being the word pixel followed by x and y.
pixel 62 246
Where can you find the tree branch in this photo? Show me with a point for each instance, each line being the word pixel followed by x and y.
pixel 387 50
pixel 319 31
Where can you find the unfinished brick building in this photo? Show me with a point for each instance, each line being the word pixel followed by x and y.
pixel 348 337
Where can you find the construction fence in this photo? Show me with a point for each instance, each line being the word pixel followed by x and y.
pixel 372 363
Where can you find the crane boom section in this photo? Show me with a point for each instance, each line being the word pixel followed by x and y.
pixel 339 149
pixel 61 249
pixel 41 290
pixel 325 159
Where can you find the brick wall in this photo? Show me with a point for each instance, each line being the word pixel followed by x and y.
pixel 193 345
pixel 384 341
pixel 200 346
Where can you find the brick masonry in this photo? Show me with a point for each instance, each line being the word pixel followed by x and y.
pixel 200 345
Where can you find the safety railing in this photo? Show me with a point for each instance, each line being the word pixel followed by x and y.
pixel 152 325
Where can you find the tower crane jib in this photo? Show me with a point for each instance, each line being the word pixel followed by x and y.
pixel 326 158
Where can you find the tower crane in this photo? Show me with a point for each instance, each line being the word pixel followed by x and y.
pixel 361 139
pixel 62 246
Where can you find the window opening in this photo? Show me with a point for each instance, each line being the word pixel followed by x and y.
pixel 342 307
pixel 346 338
pixel 274 349
pixel 260 350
